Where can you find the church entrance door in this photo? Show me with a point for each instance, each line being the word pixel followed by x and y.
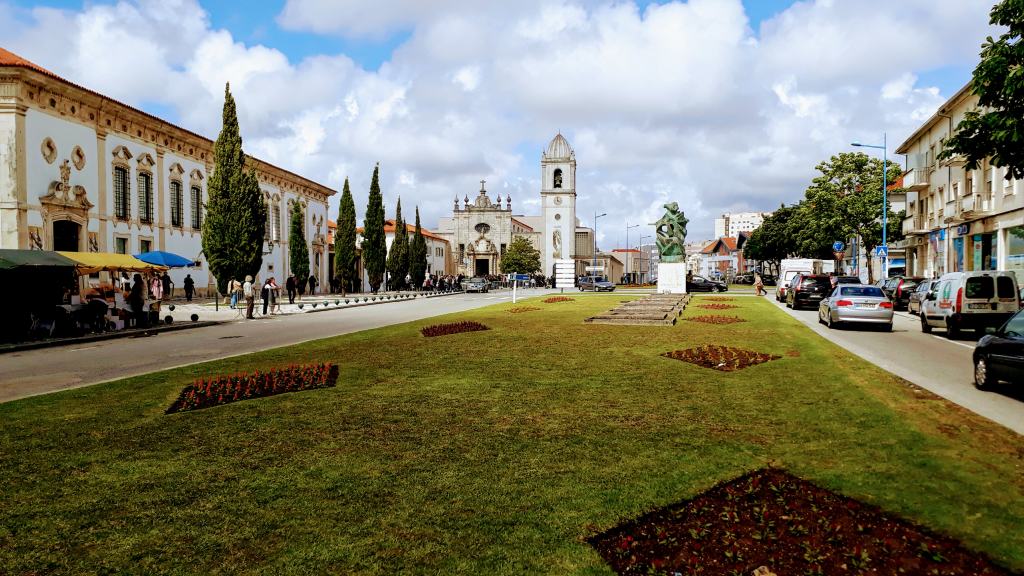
pixel 65 235
pixel 482 267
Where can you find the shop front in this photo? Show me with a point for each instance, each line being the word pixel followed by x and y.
pixel 1015 252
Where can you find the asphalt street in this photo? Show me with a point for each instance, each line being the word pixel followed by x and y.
pixel 46 370
pixel 930 361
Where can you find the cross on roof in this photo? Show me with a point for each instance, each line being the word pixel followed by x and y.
pixel 482 182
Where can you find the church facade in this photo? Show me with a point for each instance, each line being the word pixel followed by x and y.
pixel 480 230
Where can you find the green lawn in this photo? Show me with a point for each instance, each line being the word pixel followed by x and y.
pixel 491 452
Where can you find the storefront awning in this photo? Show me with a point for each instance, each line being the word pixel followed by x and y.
pixel 29 259
pixel 91 262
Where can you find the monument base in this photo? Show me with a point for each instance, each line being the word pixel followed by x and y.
pixel 672 278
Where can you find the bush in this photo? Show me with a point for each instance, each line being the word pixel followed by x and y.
pixel 226 389
pixel 453 328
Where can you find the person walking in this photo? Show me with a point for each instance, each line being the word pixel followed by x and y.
pixel 190 287
pixel 275 297
pixel 312 284
pixel 235 290
pixel 759 284
pixel 168 285
pixel 136 300
pixel 289 285
pixel 265 295
pixel 249 292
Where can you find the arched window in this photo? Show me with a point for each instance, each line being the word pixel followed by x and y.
pixel 122 207
pixel 145 197
pixel 177 205
pixel 276 211
pixel 197 208
pixel 558 178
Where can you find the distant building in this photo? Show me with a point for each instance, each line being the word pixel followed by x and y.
pixel 730 225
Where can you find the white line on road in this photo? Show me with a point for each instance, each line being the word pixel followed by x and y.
pixel 965 345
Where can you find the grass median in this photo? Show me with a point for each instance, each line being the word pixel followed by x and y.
pixel 495 452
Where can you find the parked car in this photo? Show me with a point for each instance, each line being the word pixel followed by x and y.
pixel 808 290
pixel 596 283
pixel 970 300
pixel 918 295
pixel 899 289
pixel 856 303
pixel 999 357
pixel 768 279
pixel 701 284
pixel 476 284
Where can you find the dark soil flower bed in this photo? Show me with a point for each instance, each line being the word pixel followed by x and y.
pixel 453 328
pixel 711 319
pixel 724 358
pixel 718 299
pixel 554 299
pixel 226 389
pixel 717 306
pixel 521 309
pixel 774 519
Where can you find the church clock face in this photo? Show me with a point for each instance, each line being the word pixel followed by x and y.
pixel 558 199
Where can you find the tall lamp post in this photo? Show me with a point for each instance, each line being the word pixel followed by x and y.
pixel 596 216
pixel 640 248
pixel 628 228
pixel 885 195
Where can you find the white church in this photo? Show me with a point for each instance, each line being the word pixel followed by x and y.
pixel 480 230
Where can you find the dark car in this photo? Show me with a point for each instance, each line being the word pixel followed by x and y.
pixel 899 289
pixel 808 290
pixel 999 357
pixel 702 284
pixel 918 295
pixel 768 279
pixel 596 283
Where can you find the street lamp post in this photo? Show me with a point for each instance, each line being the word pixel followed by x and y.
pixel 596 216
pixel 885 195
pixel 628 227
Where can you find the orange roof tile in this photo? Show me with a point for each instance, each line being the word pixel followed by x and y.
pixel 389 226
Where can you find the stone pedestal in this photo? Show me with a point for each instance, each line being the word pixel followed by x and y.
pixel 672 278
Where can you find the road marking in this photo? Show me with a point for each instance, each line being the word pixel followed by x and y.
pixel 85 348
pixel 952 341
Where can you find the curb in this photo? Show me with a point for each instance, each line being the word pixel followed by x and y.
pixel 135 333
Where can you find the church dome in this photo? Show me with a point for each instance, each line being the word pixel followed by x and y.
pixel 559 148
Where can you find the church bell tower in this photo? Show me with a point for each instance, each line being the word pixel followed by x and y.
pixel 558 197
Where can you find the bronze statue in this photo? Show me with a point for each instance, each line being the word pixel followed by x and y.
pixel 671 234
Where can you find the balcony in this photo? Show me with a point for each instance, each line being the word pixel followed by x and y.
pixel 915 225
pixel 917 179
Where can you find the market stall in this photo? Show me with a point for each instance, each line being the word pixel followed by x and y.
pixel 108 278
pixel 36 284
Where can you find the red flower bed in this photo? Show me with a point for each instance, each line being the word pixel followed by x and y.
pixel 717 306
pixel 722 358
pixel 226 389
pixel 718 299
pixel 554 299
pixel 522 309
pixel 715 319
pixel 453 328
pixel 771 518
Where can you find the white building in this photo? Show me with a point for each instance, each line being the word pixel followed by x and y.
pixel 82 172
pixel 730 225
pixel 439 256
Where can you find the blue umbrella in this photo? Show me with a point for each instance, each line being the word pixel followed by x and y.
pixel 161 258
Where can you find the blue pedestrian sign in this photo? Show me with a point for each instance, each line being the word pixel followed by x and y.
pixel 838 246
pixel 522 277
pixel 882 251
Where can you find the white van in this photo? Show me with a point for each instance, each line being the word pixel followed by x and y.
pixel 970 300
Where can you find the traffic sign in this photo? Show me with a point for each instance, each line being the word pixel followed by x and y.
pixel 838 246
pixel 522 277
pixel 882 251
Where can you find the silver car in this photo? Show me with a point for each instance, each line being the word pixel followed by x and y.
pixel 476 284
pixel 856 303
pixel 918 295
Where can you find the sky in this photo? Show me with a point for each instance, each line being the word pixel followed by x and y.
pixel 719 105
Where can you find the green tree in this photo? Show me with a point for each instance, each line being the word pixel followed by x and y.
pixel 236 216
pixel 996 130
pixel 298 252
pixel 374 244
pixel 398 256
pixel 345 241
pixel 773 241
pixel 520 257
pixel 418 254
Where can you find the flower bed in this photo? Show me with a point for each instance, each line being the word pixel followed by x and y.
pixel 717 306
pixel 715 319
pixel 226 389
pixel 453 328
pixel 521 309
pixel 774 519
pixel 724 358
pixel 718 299
pixel 555 299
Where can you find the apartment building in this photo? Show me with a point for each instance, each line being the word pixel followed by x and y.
pixel 958 219
pixel 730 225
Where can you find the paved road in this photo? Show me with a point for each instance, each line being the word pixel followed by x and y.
pixel 930 361
pixel 50 369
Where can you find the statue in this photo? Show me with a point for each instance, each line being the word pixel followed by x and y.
pixel 556 241
pixel 671 234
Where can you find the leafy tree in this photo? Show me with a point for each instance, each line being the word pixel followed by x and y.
pixel 996 130
pixel 398 256
pixel 345 241
pixel 236 215
pixel 418 254
pixel 374 244
pixel 520 257
pixel 298 252
pixel 773 241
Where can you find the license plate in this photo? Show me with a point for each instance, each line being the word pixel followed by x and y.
pixel 978 306
pixel 867 306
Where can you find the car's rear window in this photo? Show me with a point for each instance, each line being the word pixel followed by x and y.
pixel 816 281
pixel 909 284
pixel 1004 287
pixel 979 287
pixel 862 291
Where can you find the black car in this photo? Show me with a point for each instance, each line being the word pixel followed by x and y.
pixel 999 357
pixel 768 279
pixel 899 289
pixel 702 284
pixel 808 290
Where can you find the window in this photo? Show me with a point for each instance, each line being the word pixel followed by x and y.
pixel 979 287
pixel 145 246
pixel 121 245
pixel 177 204
pixel 145 197
pixel 122 208
pixel 1005 287
pixel 956 190
pixel 197 208
pixel 558 178
pixel 276 227
pixel 872 291
pixel 1015 327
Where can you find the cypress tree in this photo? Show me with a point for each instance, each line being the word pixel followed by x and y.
pixel 236 216
pixel 418 255
pixel 345 241
pixel 298 252
pixel 374 244
pixel 398 256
